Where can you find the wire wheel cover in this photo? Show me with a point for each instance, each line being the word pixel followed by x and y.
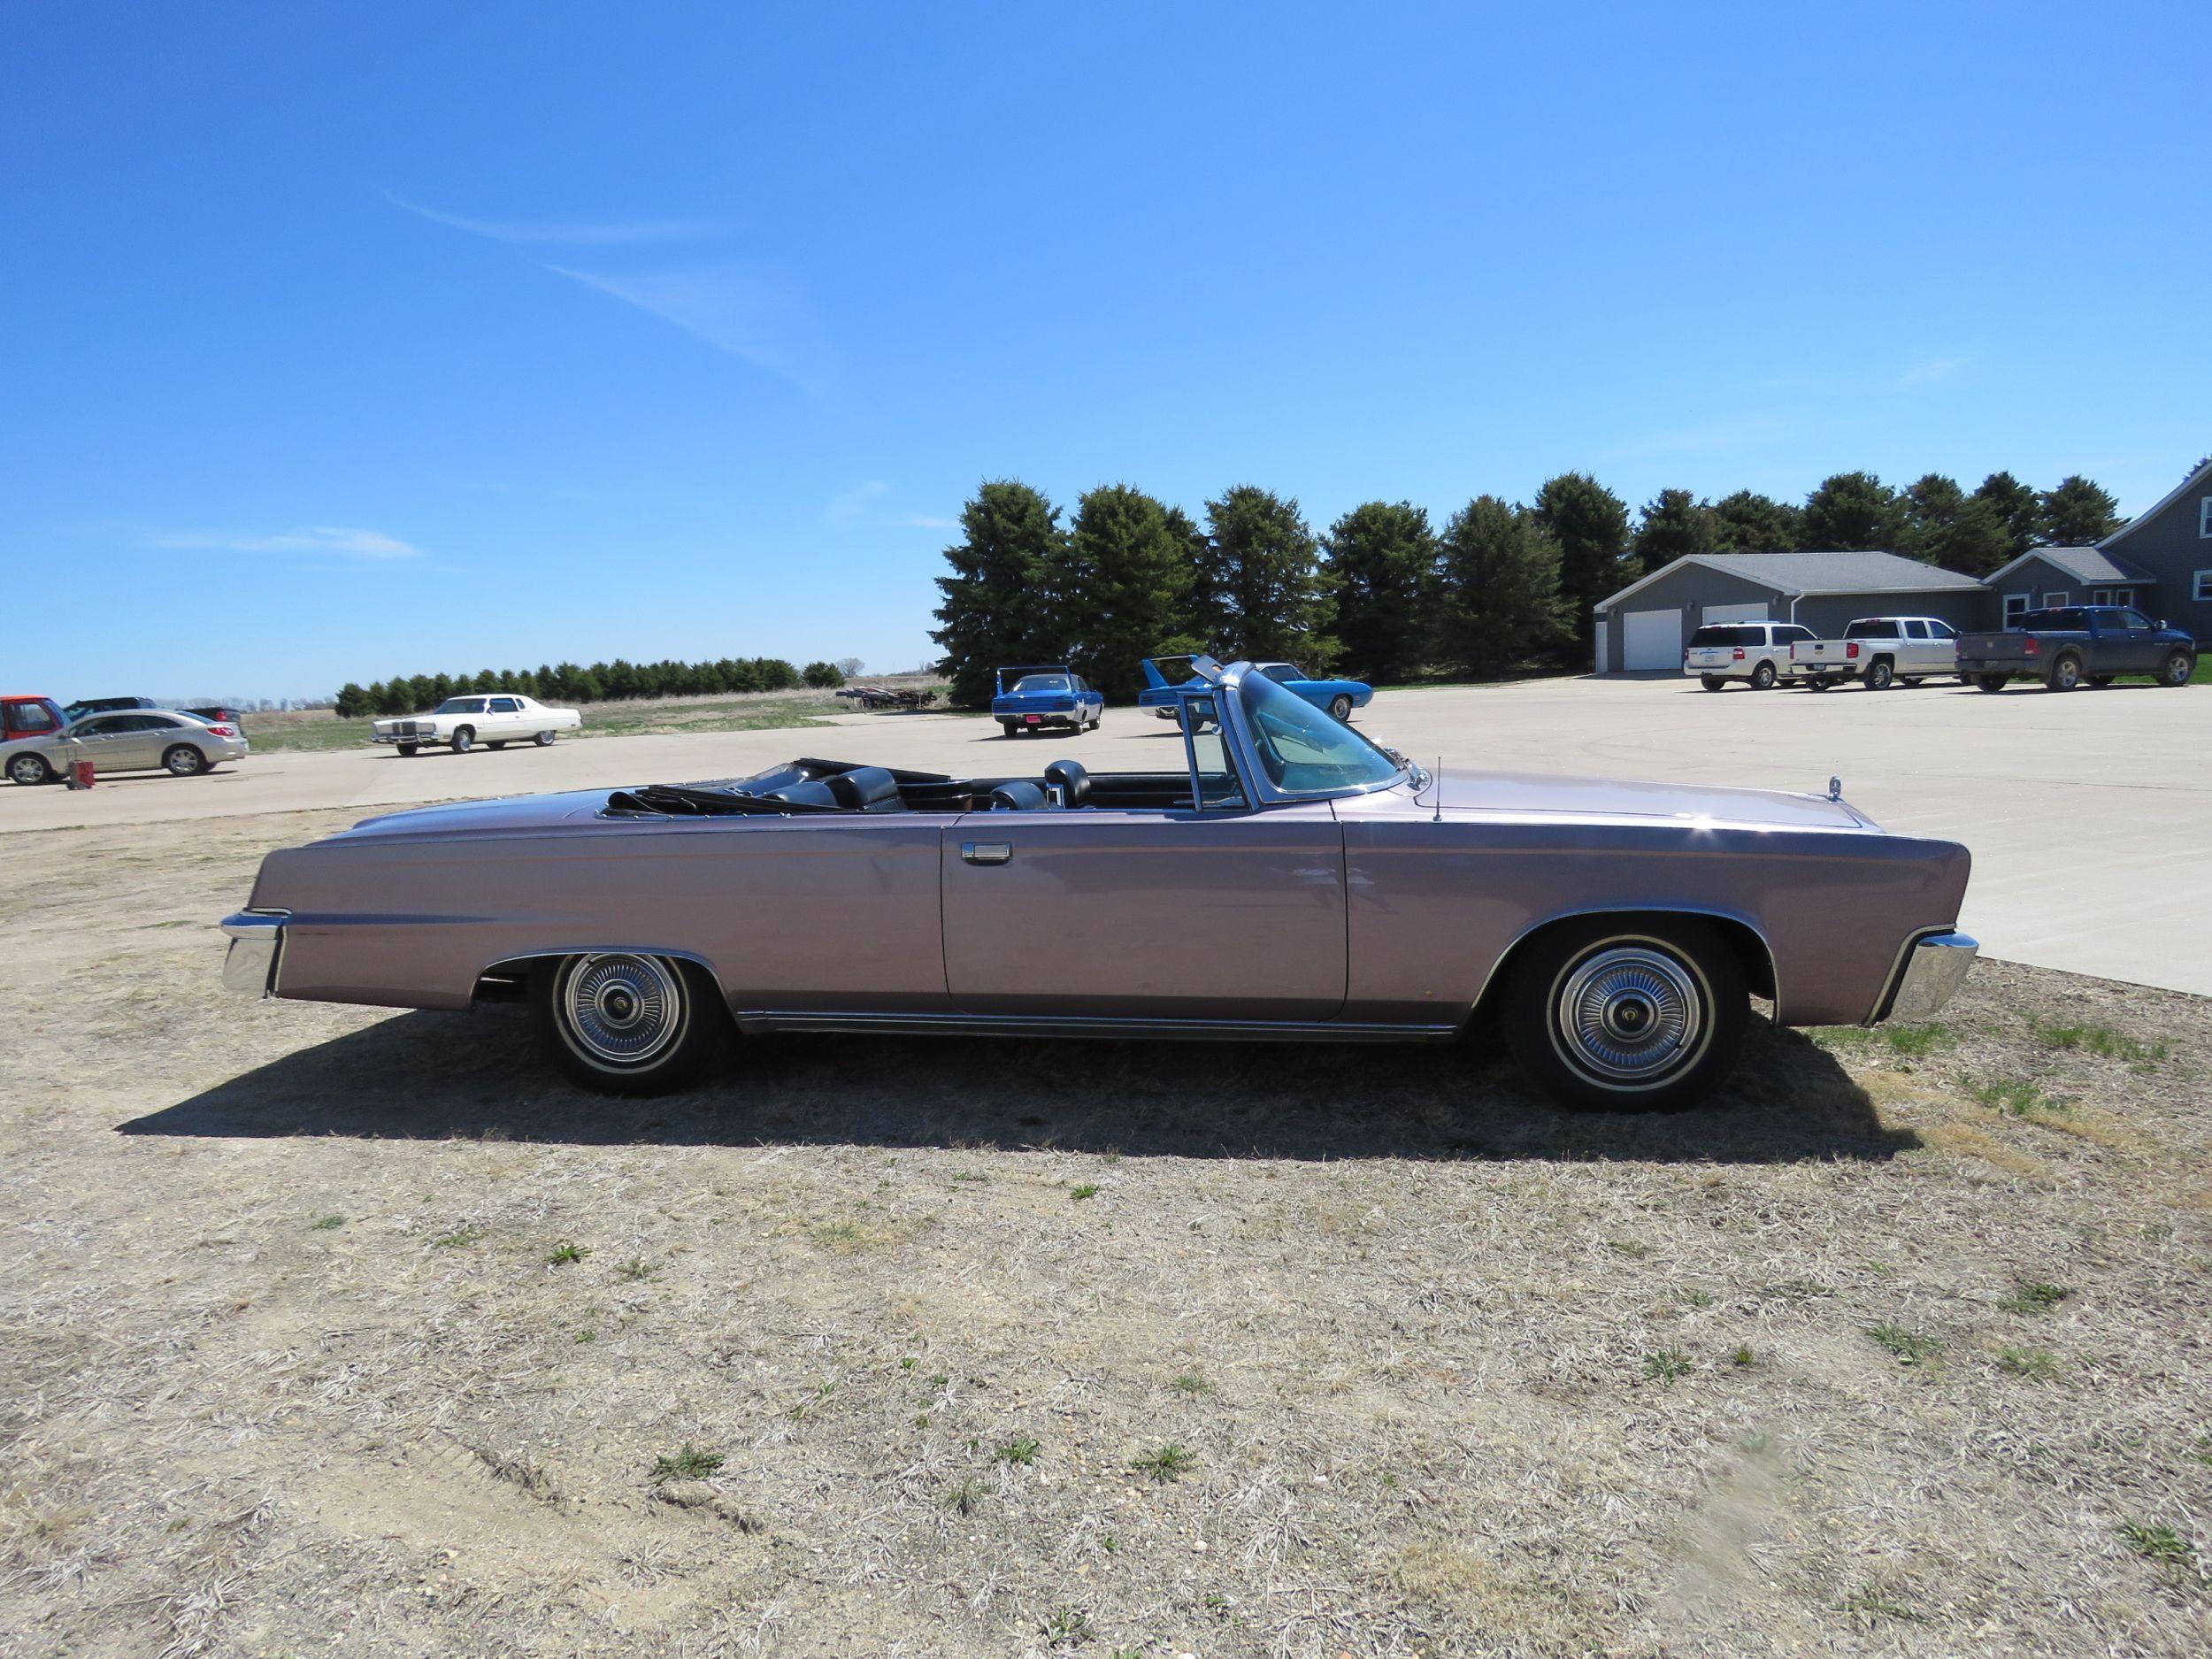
pixel 1630 1013
pixel 621 1011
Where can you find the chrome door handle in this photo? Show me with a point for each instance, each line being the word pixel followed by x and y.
pixel 985 852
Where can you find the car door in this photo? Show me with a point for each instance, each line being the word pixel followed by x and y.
pixel 1220 913
pixel 2127 643
pixel 149 738
pixel 503 719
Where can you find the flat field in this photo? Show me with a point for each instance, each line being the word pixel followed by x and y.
pixel 329 1331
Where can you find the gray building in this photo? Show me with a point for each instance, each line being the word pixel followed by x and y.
pixel 2172 545
pixel 1643 628
pixel 2047 576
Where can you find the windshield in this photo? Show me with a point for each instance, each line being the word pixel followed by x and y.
pixel 460 705
pixel 1303 748
pixel 1040 682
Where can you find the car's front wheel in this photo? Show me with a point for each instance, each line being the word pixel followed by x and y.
pixel 1618 1014
pixel 28 769
pixel 626 1024
pixel 406 749
pixel 463 739
pixel 2177 668
pixel 181 760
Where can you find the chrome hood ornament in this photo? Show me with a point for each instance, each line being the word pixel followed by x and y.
pixel 1835 789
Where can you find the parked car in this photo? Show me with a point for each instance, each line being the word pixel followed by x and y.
pixel 83 706
pixel 25 714
pixel 1288 880
pixel 1339 697
pixel 1050 698
pixel 136 740
pixel 492 718
pixel 216 714
pixel 2073 644
pixel 1878 652
pixel 1755 652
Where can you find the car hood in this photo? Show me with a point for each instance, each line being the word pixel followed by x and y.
pixel 1490 794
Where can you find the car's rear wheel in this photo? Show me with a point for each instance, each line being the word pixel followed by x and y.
pixel 2098 682
pixel 463 739
pixel 1820 682
pixel 1910 682
pixel 29 769
pixel 1340 705
pixel 497 743
pixel 1878 674
pixel 1763 677
pixel 2065 674
pixel 1712 683
pixel 407 748
pixel 545 739
pixel 1992 682
pixel 1008 727
pixel 627 1024
pixel 1620 1014
pixel 181 760
pixel 2177 668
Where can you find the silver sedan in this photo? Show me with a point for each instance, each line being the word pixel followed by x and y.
pixel 139 740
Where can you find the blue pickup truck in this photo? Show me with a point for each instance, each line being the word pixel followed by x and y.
pixel 1048 698
pixel 2071 645
pixel 1339 697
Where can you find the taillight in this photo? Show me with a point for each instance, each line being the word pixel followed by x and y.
pixel 224 731
pixel 1852 649
pixel 1740 653
pixel 2029 645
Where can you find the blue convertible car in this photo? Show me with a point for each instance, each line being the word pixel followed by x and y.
pixel 1046 699
pixel 1339 697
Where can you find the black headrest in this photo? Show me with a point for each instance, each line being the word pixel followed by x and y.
pixel 1074 783
pixel 1018 796
pixel 865 789
pixel 807 793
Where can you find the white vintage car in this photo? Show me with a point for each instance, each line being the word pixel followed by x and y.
pixel 492 718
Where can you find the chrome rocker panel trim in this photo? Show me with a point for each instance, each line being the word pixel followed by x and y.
pixel 759 1020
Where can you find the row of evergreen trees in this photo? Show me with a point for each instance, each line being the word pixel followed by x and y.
pixel 601 682
pixel 1385 594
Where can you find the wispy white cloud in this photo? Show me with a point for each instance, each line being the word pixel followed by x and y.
pixel 1717 436
pixel 349 541
pixel 559 232
pixel 760 313
pixel 849 506
pixel 1933 370
pixel 924 521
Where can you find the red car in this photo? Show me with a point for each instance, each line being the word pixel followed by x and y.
pixel 24 715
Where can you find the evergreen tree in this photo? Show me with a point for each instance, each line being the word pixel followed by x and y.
pixel 1590 524
pixel 1948 528
pixel 2077 513
pixel 1676 525
pixel 355 700
pixel 1928 510
pixel 1261 581
pixel 1381 574
pixel 1122 588
pixel 1747 522
pixel 1500 601
pixel 823 676
pixel 1854 512
pixel 993 612
pixel 2019 511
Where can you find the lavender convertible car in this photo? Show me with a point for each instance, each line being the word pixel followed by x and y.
pixel 1291 879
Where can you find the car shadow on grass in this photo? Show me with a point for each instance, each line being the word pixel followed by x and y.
pixel 437 1076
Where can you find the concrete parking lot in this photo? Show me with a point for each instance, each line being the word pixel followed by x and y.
pixel 2089 815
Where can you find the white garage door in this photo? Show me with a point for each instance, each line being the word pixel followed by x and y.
pixel 1651 641
pixel 1735 613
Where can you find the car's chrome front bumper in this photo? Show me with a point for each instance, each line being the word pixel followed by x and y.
pixel 257 951
pixel 405 737
pixel 1935 967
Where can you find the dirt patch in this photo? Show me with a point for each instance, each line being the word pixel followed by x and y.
pixel 982 1348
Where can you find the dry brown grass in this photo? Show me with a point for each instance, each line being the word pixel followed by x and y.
pixel 1421 1311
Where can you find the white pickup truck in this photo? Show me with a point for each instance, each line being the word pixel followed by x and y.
pixel 494 720
pixel 1878 652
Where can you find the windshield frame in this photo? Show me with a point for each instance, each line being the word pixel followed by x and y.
pixel 1262 788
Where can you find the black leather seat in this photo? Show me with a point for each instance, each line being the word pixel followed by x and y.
pixel 807 793
pixel 1020 796
pixel 866 789
pixel 1071 779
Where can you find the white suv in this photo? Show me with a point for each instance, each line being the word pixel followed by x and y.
pixel 1758 652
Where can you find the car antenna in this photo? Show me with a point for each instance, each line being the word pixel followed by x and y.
pixel 1437 816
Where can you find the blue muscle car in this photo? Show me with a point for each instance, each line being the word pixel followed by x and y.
pixel 1044 699
pixel 1339 697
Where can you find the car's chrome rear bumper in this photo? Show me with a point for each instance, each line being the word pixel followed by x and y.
pixel 1935 967
pixel 257 951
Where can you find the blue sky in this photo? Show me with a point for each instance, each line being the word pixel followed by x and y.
pixel 342 341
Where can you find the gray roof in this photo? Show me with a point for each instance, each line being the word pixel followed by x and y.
pixel 1800 573
pixel 2086 564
